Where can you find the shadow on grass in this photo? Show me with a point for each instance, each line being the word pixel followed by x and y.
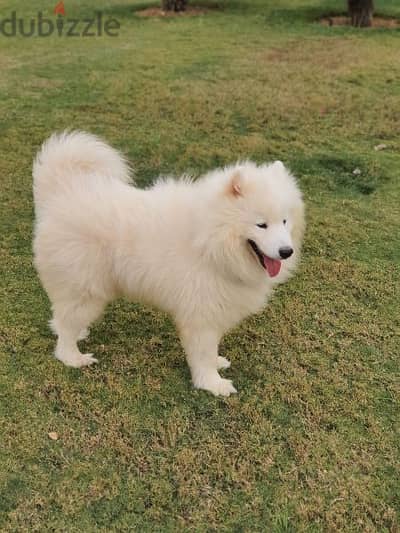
pixel 341 174
pixel 269 9
pixel 126 11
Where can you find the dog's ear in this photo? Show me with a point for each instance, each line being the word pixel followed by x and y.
pixel 235 184
pixel 278 165
pixel 279 169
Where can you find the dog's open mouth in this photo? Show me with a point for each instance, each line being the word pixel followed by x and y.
pixel 272 266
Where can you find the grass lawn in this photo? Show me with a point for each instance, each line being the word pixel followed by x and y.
pixel 311 442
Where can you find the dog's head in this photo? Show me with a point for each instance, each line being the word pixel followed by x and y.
pixel 258 221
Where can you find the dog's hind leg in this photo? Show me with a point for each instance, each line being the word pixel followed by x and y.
pixel 82 335
pixel 70 319
pixel 201 347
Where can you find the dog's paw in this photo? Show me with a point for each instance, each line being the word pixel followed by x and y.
pixel 77 360
pixel 222 363
pixel 222 387
pixel 217 386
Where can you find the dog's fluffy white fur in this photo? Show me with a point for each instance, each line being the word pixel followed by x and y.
pixel 208 251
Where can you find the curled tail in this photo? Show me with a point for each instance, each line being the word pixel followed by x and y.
pixel 72 156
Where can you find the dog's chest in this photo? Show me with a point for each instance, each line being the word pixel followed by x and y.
pixel 238 302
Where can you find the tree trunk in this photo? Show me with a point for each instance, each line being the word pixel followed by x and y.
pixel 174 5
pixel 360 12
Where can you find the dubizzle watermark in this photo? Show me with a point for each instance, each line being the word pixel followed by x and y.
pixel 60 26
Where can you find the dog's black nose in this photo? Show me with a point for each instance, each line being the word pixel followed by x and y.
pixel 285 252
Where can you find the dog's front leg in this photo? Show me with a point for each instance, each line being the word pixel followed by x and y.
pixel 201 347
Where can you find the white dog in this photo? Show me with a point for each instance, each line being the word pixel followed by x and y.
pixel 209 252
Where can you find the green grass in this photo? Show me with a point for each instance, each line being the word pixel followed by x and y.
pixel 311 442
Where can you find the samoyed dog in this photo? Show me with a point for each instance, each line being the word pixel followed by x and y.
pixel 209 252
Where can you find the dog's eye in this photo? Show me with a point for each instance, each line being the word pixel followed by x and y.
pixel 262 225
pixel 285 221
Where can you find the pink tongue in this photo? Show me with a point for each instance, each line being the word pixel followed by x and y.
pixel 272 265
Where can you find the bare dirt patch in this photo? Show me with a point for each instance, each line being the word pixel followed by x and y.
pixel 377 22
pixel 158 12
